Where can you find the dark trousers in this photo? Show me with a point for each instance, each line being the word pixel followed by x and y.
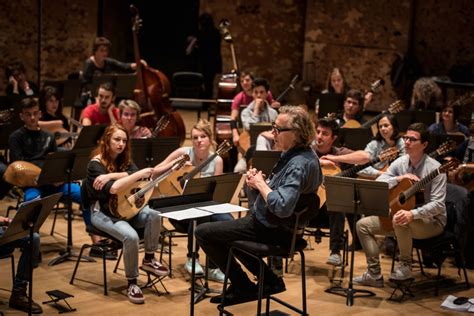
pixel 214 239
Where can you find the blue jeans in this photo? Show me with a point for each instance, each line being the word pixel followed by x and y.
pixel 125 231
pixel 23 272
pixel 45 190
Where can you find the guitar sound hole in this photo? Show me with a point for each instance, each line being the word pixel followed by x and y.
pixel 139 200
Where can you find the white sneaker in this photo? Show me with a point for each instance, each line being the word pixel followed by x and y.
pixel 188 265
pixel 368 279
pixel 334 259
pixel 135 294
pixel 402 272
pixel 216 275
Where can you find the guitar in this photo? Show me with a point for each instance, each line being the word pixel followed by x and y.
pixel 327 171
pixel 128 202
pixel 402 197
pixel 388 154
pixel 175 183
pixel 393 108
pixel 464 176
pixel 244 139
pixel 22 174
pixel 443 149
pixel 6 116
pixel 160 125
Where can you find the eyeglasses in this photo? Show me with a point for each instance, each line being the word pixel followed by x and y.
pixel 278 130
pixel 410 139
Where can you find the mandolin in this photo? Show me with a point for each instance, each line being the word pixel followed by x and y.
pixel 402 197
pixel 175 183
pixel 160 125
pixel 128 202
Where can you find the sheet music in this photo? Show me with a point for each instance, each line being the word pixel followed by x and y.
pixel 195 212
pixel 223 208
pixel 186 214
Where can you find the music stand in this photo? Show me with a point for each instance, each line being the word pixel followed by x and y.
pixel 147 152
pixel 330 103
pixel 89 136
pixel 125 85
pixel 60 167
pixel 256 129
pixel 265 160
pixel 355 138
pixel 28 220
pixel 359 197
pixel 435 141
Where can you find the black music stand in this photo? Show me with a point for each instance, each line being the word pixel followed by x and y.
pixel 347 195
pixel 435 141
pixel 124 84
pixel 30 217
pixel 64 167
pixel 89 136
pixel 330 103
pixel 256 129
pixel 265 160
pixel 354 138
pixel 147 152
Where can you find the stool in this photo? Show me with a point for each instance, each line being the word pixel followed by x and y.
pixel 404 287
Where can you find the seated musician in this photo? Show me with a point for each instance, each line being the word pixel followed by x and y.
pixel 19 299
pixel 449 122
pixel 297 173
pixel 201 136
pixel 243 99
pixel 422 222
pixel 18 84
pixel 353 105
pixel 326 135
pixel 130 116
pixel 110 171
pixel 52 118
pixel 30 143
pixel 388 135
pixel 104 110
pixel 426 95
pixel 336 83
pixel 100 62
pixel 258 111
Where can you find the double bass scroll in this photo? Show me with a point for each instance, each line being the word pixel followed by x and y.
pixel 153 90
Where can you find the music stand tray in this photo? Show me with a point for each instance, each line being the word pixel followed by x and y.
pixel 355 196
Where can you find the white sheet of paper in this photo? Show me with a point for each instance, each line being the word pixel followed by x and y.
pixel 223 208
pixel 186 214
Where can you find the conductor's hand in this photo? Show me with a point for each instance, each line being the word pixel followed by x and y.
pixel 255 178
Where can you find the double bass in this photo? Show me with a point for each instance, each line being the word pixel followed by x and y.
pixel 152 92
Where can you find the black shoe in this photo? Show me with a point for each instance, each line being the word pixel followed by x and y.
pixel 97 253
pixel 19 301
pixel 235 296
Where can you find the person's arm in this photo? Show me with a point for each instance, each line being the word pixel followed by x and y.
pixel 13 87
pixel 86 117
pixel 111 111
pixel 168 162
pixel 51 126
pixel 127 181
pixel 358 157
pixel 101 180
pixel 219 166
pixel 234 116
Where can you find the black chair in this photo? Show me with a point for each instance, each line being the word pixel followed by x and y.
pixel 188 85
pixel 170 234
pixel 306 207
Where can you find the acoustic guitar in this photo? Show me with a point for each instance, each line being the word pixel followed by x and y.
pixel 160 125
pixel 175 183
pixel 321 192
pixel 402 197
pixel 128 202
pixel 244 138
pixel 388 154
pixel 393 108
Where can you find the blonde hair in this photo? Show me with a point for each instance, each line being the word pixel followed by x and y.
pixel 204 126
pixel 129 104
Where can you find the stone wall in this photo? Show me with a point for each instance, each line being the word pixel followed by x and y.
pixel 68 29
